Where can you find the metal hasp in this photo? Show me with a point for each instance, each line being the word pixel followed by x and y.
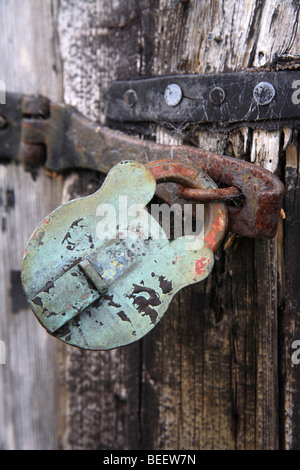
pixel 100 289
pixel 37 131
pixel 220 98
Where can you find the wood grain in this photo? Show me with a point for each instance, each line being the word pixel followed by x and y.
pixel 216 373
pixel 100 391
pixel 290 303
pixel 206 377
pixel 29 63
pixel 238 403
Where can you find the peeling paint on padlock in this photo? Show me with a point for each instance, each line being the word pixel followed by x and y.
pixel 98 292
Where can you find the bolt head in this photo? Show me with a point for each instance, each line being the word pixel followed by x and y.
pixel 130 98
pixel 264 93
pixel 217 96
pixel 173 94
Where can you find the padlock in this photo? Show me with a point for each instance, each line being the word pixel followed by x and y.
pixel 99 274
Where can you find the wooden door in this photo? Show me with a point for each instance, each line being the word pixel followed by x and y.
pixel 218 371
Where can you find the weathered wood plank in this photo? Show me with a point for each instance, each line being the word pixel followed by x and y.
pixel 239 389
pixel 290 306
pixel 207 376
pixel 29 63
pixel 101 391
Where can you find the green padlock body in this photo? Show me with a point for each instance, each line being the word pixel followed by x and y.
pixel 98 292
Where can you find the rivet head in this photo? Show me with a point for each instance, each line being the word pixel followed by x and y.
pixel 217 96
pixel 264 93
pixel 130 98
pixel 173 94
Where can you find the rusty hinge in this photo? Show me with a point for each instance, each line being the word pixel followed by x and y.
pixel 227 98
pixel 33 130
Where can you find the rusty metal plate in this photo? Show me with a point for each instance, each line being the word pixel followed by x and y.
pixel 101 292
pixel 222 98
pixel 36 131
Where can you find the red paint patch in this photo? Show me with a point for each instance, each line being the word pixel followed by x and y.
pixel 200 265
